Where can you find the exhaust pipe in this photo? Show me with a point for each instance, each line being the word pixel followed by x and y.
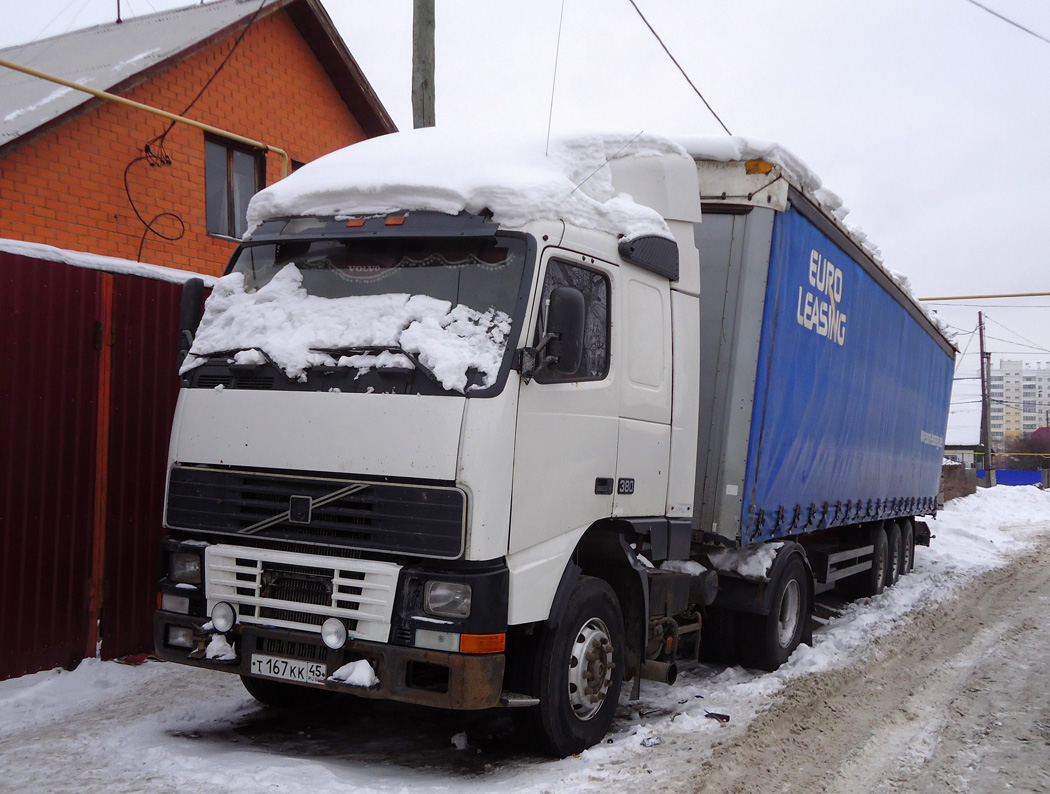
pixel 664 672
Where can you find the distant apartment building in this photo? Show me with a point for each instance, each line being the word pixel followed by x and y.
pixel 1019 395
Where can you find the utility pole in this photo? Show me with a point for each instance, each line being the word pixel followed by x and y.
pixel 422 63
pixel 986 436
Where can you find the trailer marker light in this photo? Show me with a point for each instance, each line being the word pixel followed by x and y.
pixel 355 223
pixel 482 643
pixel 223 616
pixel 395 220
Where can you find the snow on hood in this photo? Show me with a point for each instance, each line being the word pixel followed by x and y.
pixel 282 320
pixel 451 170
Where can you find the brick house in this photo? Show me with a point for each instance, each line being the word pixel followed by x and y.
pixel 87 350
pixel 75 170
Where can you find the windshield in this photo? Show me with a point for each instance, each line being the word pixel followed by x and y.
pixel 440 309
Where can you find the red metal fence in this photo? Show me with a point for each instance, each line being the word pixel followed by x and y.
pixel 87 392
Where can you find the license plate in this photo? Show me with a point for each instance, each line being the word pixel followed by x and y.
pixel 289 669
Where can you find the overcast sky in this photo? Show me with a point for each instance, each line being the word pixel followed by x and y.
pixel 928 117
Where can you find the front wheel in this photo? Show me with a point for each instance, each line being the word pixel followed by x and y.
pixel 580 669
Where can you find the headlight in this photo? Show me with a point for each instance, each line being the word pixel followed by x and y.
pixel 447 599
pixel 223 616
pixel 185 568
pixel 333 633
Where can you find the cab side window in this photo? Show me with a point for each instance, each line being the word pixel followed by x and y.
pixel 594 364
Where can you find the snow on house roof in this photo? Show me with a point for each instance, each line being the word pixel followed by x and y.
pixel 114 56
pixel 517 179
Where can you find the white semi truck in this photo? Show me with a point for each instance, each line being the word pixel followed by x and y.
pixel 471 430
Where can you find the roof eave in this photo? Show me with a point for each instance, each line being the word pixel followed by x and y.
pixel 317 29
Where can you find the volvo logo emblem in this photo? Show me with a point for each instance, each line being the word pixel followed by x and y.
pixel 299 509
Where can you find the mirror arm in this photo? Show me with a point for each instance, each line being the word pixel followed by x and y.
pixel 531 361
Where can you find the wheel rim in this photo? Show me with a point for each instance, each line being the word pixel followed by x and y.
pixel 590 668
pixel 787 620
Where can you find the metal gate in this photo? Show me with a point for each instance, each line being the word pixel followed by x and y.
pixel 87 391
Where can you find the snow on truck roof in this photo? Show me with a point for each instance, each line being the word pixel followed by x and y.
pixel 520 179
pixel 517 179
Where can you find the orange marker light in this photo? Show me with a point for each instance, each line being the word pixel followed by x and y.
pixel 355 223
pixel 482 643
pixel 395 220
pixel 757 167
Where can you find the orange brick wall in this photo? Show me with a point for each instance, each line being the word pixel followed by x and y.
pixel 65 187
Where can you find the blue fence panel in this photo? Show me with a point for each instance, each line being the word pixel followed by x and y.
pixel 1014 477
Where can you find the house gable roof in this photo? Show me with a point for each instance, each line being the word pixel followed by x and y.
pixel 114 57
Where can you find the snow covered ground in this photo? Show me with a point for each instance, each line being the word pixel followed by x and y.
pixel 162 728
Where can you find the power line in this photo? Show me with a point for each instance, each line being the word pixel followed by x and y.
pixel 675 61
pixel 1035 345
pixel 993 305
pixel 941 298
pixel 1008 21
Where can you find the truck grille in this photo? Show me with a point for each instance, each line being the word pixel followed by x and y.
pixel 295 591
pixel 427 521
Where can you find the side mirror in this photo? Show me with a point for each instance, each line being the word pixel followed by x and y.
pixel 190 313
pixel 565 323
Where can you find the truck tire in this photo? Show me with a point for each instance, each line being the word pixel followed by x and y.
pixel 282 695
pixel 907 547
pixel 580 669
pixel 767 641
pixel 894 549
pixel 872 581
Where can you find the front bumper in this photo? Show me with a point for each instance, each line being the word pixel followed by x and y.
pixel 410 675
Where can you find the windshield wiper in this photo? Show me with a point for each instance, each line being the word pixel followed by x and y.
pixel 230 355
pixel 356 350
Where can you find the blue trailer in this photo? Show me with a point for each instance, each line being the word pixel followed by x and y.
pixel 824 402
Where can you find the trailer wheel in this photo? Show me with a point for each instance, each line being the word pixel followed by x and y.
pixel 767 641
pixel 580 668
pixel 907 547
pixel 282 695
pixel 872 581
pixel 894 553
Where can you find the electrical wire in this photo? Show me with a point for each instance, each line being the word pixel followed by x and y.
pixel 1035 345
pixel 160 138
pixel 554 79
pixel 1008 21
pixel 680 69
pixel 990 305
pixel 155 154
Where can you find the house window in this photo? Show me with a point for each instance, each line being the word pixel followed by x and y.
pixel 232 175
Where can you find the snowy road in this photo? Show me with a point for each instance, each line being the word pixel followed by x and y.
pixel 940 684
pixel 958 700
